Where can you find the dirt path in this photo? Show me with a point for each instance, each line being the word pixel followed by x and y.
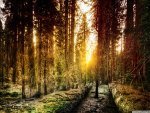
pixel 104 104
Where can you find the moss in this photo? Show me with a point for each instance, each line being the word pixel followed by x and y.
pixel 31 110
pixel 54 107
pixel 128 99
pixel 62 102
pixel 58 102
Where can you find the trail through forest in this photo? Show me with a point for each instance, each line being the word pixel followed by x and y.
pixel 104 104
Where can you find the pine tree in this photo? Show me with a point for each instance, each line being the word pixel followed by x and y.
pixel 145 35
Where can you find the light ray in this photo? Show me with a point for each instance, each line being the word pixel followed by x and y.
pixel 34 37
pixel 85 7
pixel 120 46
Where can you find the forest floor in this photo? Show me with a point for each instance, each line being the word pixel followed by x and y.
pixel 57 102
pixel 78 100
pixel 103 104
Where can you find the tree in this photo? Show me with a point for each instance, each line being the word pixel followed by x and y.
pixel 71 46
pixel 29 36
pixel 66 32
pixel 81 47
pixel 16 25
pixel 114 34
pixel 129 36
pixel 11 27
pixel 1 55
pixel 108 32
pixel 100 43
pixel 46 15
pixel 144 29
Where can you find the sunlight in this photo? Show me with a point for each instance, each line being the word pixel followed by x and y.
pixel 85 7
pixel 2 16
pixel 91 45
pixel 2 5
pixel 119 46
pixel 34 37
pixel 54 39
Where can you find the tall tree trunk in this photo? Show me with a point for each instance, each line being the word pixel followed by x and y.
pixel 22 39
pixel 31 48
pixel 40 54
pixel 136 55
pixel 99 46
pixel 14 59
pixel 84 49
pixel 46 62
pixel 73 2
pixel 128 37
pixel 45 77
pixel 66 33
pixel 1 49
pixel 2 75
pixel 114 4
pixel 96 87
pixel 23 64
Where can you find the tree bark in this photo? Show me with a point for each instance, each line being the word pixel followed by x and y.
pixel 40 56
pixel 73 2
pixel 66 33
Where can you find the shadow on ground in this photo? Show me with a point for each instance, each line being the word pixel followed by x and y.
pixel 104 104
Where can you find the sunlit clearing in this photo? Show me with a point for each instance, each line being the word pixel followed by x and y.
pixel 34 37
pixel 119 46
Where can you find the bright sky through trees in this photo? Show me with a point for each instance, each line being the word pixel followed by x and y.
pixel 2 18
pixel 85 8
pixel 34 37
pixel 120 46
pixel 1 3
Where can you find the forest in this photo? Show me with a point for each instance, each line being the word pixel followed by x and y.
pixel 74 56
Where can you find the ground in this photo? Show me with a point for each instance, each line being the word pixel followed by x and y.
pixel 104 104
pixel 79 100
pixel 57 102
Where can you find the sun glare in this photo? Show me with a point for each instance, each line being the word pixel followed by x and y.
pixel 34 37
pixel 119 46
pixel 91 45
pixel 85 8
